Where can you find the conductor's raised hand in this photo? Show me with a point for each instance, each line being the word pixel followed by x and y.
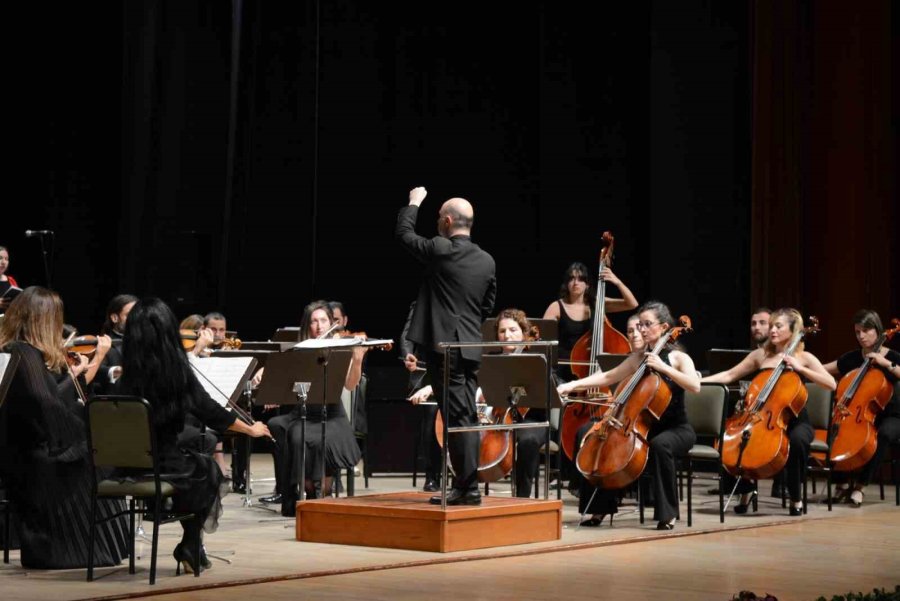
pixel 417 195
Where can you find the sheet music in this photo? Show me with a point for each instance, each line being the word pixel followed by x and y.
pixel 226 373
pixel 4 361
pixel 320 343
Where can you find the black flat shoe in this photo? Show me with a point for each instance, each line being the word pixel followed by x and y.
pixel 431 485
pixel 795 510
pixel 274 499
pixel 459 497
pixel 665 526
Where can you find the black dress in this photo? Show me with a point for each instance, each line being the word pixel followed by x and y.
pixel 198 481
pixel 43 460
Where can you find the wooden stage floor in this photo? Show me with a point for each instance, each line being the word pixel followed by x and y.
pixel 819 554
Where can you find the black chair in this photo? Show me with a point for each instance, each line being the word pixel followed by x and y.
pixel 820 407
pixel 706 412
pixel 121 435
pixel 7 524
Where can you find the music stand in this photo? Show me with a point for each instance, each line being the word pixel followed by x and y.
pixel 290 334
pixel 720 359
pixel 519 380
pixel 301 376
pixel 547 328
pixel 610 361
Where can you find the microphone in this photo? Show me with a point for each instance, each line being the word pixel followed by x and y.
pixel 33 233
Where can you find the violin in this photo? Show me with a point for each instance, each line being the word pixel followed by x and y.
pixel 363 336
pixel 615 450
pixel 755 444
pixel 189 339
pixel 75 346
pixel 603 338
pixel 229 343
pixel 862 394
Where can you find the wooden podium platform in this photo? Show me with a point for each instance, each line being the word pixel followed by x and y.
pixel 405 520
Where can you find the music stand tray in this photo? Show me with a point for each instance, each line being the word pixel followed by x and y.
pixel 609 361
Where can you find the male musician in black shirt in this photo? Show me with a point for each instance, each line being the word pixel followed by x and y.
pixel 456 295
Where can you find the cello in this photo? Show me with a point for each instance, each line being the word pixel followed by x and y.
pixel 615 450
pixel 755 444
pixel 495 454
pixel 605 339
pixel 862 394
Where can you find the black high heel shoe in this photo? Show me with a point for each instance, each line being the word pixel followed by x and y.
pixel 186 560
pixel 741 508
pixel 594 522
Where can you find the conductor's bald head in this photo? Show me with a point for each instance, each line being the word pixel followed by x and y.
pixel 455 218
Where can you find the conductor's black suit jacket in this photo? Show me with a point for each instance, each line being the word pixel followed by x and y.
pixel 458 288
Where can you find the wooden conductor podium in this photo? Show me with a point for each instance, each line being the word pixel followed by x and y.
pixel 406 520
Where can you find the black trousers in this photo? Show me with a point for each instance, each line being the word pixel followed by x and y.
pixel 665 447
pixel 528 456
pixel 888 434
pixel 463 379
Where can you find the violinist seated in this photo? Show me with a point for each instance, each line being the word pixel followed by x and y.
pixel 669 437
pixel 43 444
pixel 513 326
pixel 868 329
pixel 113 326
pixel 784 326
pixel 85 356
pixel 156 368
pixel 342 450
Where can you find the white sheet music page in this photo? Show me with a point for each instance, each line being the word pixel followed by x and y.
pixel 223 373
pixel 342 342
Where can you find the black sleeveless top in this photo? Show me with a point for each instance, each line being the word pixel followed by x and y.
pixel 854 359
pixel 570 331
pixel 674 415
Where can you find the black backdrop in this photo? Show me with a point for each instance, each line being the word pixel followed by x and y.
pixel 556 124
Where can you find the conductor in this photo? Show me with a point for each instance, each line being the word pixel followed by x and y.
pixel 456 295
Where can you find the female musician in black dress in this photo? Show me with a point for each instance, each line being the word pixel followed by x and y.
pixel 784 324
pixel 43 444
pixel 156 368
pixel 341 450
pixel 867 327
pixel 573 309
pixel 671 436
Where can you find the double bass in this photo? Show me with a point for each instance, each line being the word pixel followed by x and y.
pixel 603 338
pixel 615 450
pixel 862 394
pixel 755 444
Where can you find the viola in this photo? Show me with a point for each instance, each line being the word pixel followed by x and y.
pixel 862 395
pixel 603 338
pixel 615 450
pixel 755 444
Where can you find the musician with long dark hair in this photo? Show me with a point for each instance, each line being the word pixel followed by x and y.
pixel 155 367
pixel 671 436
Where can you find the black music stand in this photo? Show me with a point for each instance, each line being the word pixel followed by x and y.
pixel 548 329
pixel 288 334
pixel 520 380
pixel 301 376
pixel 610 361
pixel 720 359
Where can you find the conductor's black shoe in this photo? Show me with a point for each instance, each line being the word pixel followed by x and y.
pixel 431 485
pixel 459 497
pixel 274 499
